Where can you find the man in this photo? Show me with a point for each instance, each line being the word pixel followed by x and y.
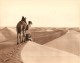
pixel 28 34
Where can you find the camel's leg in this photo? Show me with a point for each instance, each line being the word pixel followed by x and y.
pixel 17 38
pixel 24 35
pixel 20 38
pixel 25 38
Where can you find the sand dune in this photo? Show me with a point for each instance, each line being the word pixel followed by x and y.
pixel 2 37
pixel 35 53
pixel 69 42
pixel 13 30
pixel 46 36
pixel 7 34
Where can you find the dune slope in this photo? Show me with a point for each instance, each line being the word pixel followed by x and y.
pixel 2 37
pixel 35 53
pixel 7 34
pixel 69 42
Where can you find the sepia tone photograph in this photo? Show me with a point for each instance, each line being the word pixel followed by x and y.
pixel 39 31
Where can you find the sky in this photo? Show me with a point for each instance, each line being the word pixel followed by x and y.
pixel 43 13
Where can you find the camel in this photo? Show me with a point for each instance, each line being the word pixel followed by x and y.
pixel 21 30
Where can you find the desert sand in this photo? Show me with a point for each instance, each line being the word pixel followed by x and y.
pixel 41 37
pixel 9 51
pixel 34 52
pixel 70 42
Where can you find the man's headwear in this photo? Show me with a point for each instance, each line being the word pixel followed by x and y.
pixel 30 22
